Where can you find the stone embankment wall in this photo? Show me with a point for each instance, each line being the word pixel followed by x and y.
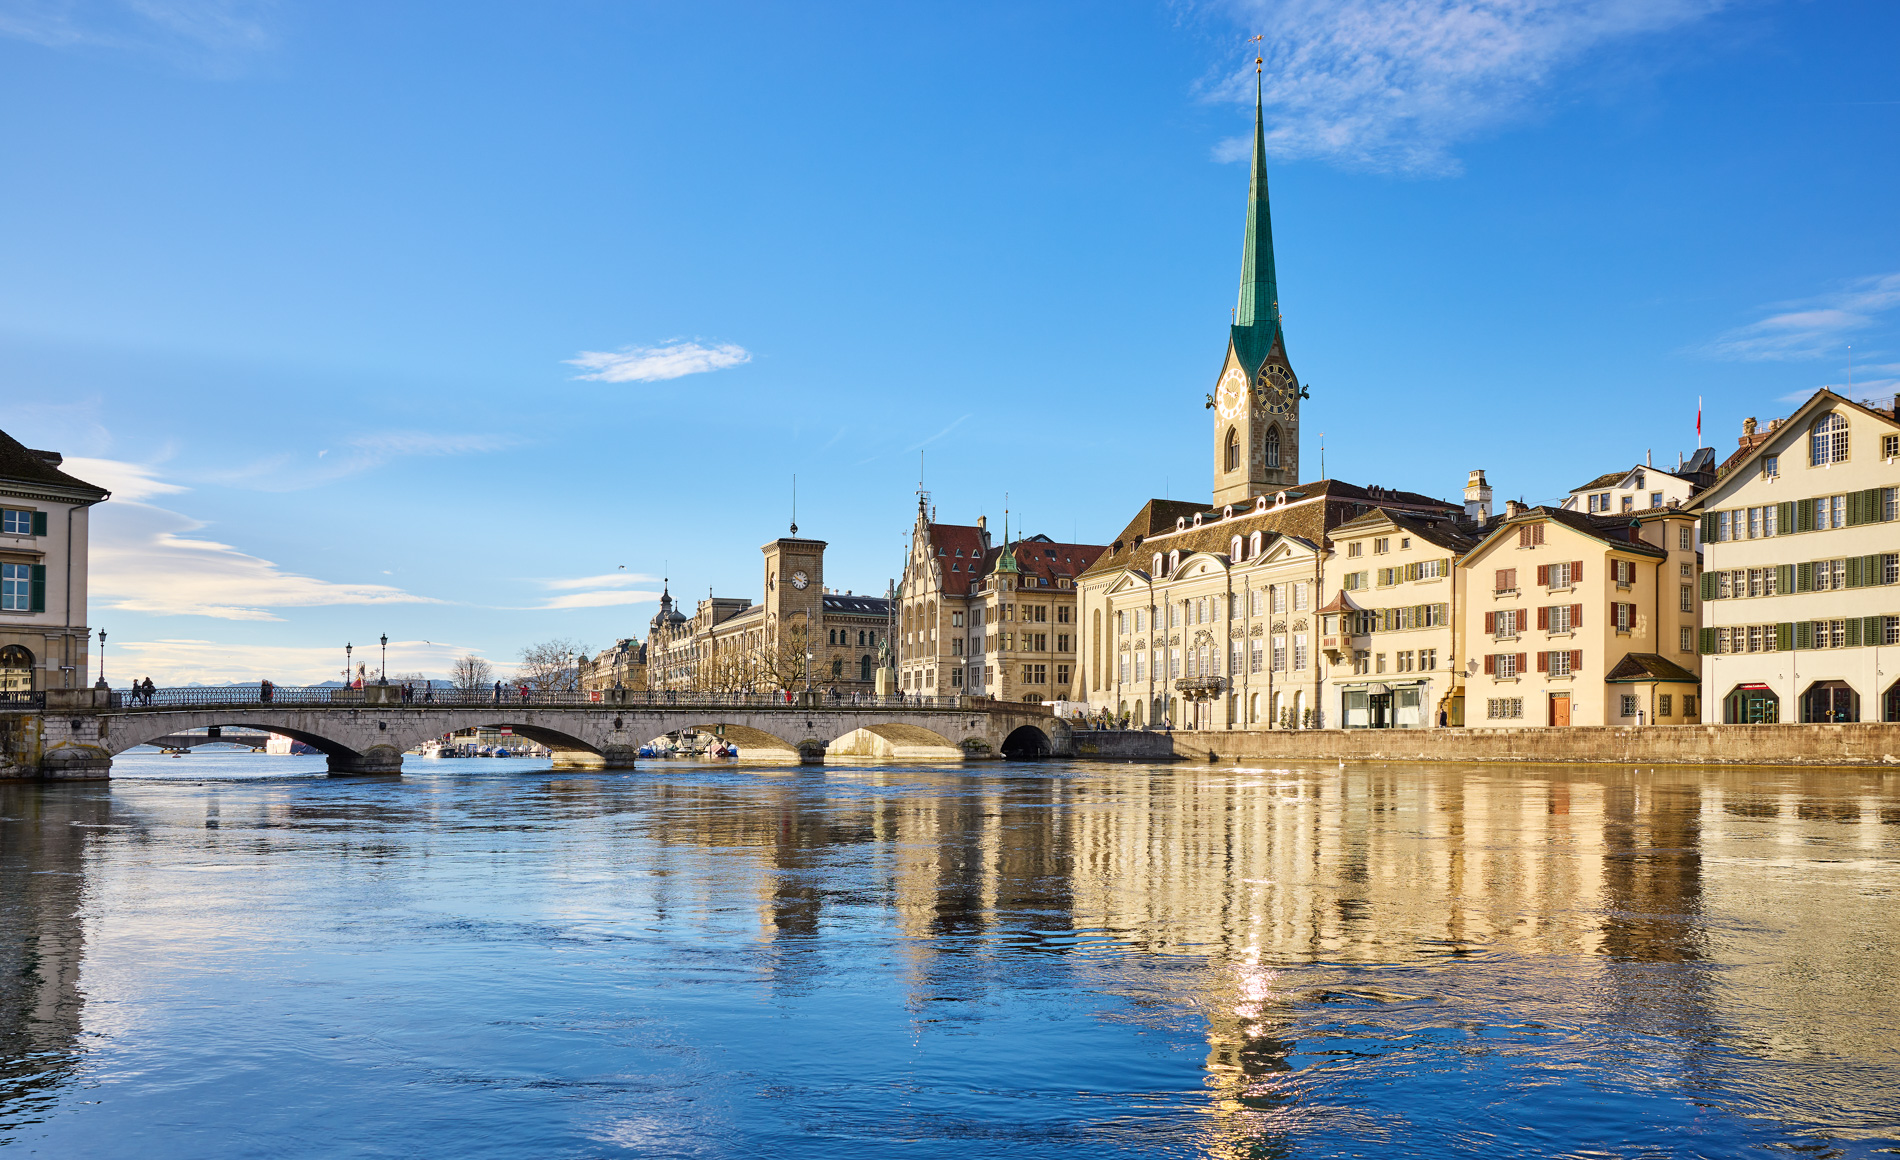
pixel 1124 745
pixel 1870 743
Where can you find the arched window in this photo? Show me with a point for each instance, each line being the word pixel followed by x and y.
pixel 1232 459
pixel 864 667
pixel 1273 447
pixel 1174 560
pixel 837 667
pixel 1827 440
pixel 1233 549
pixel 16 669
pixel 1156 570
pixel 1253 545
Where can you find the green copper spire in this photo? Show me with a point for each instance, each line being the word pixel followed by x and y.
pixel 1257 318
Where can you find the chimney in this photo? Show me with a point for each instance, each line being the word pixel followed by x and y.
pixel 1477 498
pixel 1748 426
pixel 1649 457
pixel 1512 509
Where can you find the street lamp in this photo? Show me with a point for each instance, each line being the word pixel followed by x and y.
pixel 808 670
pixel 347 650
pixel 383 678
pixel 102 660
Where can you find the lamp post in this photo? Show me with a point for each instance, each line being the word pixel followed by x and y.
pixel 347 650
pixel 808 670
pixel 102 660
pixel 383 677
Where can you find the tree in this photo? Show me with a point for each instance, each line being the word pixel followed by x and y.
pixel 549 667
pixel 471 673
pixel 781 663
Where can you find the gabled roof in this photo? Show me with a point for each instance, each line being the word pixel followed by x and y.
pixel 1822 398
pixel 1443 533
pixel 1613 531
pixel 20 464
pixel 1650 667
pixel 1616 478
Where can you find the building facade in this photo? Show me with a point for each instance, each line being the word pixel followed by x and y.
pixel 1644 486
pixel 1802 569
pixel 801 635
pixel 624 665
pixel 987 621
pixel 1575 619
pixel 43 569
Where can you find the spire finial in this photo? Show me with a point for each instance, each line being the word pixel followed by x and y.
pixel 1257 316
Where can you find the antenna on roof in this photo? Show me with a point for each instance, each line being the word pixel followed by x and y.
pixel 1322 455
pixel 794 503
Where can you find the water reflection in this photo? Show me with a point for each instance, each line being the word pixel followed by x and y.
pixel 1064 958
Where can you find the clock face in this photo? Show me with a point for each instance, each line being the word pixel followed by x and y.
pixel 799 580
pixel 1277 388
pixel 1231 396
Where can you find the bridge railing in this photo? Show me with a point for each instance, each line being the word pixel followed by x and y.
pixel 395 696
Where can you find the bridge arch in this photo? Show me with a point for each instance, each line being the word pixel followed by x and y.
pixel 892 741
pixel 344 757
pixel 1027 743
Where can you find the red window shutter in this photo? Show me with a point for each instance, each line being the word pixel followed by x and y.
pixel 1521 658
pixel 1543 617
pixel 1543 575
pixel 1576 571
pixel 1576 659
pixel 1490 664
pixel 1576 616
pixel 1491 623
pixel 1499 586
pixel 1543 662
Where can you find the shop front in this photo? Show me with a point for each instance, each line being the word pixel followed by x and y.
pixel 1382 705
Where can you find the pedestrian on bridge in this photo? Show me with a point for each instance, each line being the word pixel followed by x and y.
pixel 497 692
pixel 264 690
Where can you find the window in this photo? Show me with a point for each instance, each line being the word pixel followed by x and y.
pixel 1770 466
pixel 1562 575
pixel 1233 450
pixel 1504 708
pixel 1561 618
pixel 1505 623
pixel 1431 569
pixel 1253 545
pixel 1062 642
pixel 1259 657
pixel 1504 665
pixel 1155 569
pixel 1355 548
pixel 1141 663
pixel 1124 670
pixel 1378 662
pixel 1174 662
pixel 1827 440
pixel 1598 503
pixel 14 522
pixel 1688 598
pixel 1686 539
pixel 1402 662
pixel 1277 594
pixel 1623 571
pixel 1629 704
pixel 1655 499
pixel 1686 643
pixel 16 587
pixel 1560 663
pixel 1427 659
pixel 1279 654
pixel 1722 526
pixel 1506 580
pixel 956 621
pixel 1233 549
pixel 1830 634
pixel 1299 650
pixel 1830 511
pixel 1623 617
pixel 1629 503
pixel 1530 535
pixel 1299 595
pixel 1273 448
pixel 1688 704
pixel 1381 546
pixel 1062 675
pixel 1830 574
pixel 1234 661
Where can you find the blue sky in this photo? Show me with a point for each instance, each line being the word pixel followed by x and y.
pixel 364 310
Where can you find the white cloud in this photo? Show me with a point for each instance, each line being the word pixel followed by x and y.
pixel 221 26
pixel 1395 84
pixel 359 453
pixel 614 588
pixel 1811 328
pixel 652 364
pixel 185 661
pixel 144 559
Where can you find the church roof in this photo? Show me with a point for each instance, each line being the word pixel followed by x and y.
pixel 1257 316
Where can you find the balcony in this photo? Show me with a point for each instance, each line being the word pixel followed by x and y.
pixel 1200 688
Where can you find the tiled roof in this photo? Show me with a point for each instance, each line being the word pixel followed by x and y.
pixel 1311 512
pixel 857 605
pixel 1650 667
pixel 1616 477
pixel 1037 557
pixel 21 464
pixel 1446 534
pixel 1616 530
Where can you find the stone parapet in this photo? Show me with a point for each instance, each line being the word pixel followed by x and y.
pixel 1865 743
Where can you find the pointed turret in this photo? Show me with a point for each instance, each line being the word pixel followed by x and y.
pixel 1257 317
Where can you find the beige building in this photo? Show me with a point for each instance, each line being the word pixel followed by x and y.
pixel 624 666
pixel 1801 558
pixel 43 542
pixel 1390 631
pixel 1574 619
pixel 1644 486
pixel 988 621
pixel 801 634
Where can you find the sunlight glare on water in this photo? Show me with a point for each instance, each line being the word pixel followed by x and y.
pixel 232 955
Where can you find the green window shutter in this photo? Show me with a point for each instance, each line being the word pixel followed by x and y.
pixel 1871 571
pixel 1708 527
pixel 1708 641
pixel 1804 578
pixel 1785 518
pixel 39 523
pixel 1804 634
pixel 1784 636
pixel 1708 586
pixel 1854 572
pixel 1803 516
pixel 1856 508
pixel 1853 632
pixel 1784 580
pixel 1874 630
pixel 38 588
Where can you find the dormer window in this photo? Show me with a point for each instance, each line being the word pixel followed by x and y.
pixel 1174 560
pixel 1197 519
pixel 1227 513
pixel 1260 504
pixel 1180 523
pixel 1253 545
pixel 1279 500
pixel 1233 549
pixel 1156 570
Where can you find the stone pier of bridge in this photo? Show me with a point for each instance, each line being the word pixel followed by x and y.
pixel 77 733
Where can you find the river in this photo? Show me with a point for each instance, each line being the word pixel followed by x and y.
pixel 227 955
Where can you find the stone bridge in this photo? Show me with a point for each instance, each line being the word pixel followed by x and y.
pixel 77 733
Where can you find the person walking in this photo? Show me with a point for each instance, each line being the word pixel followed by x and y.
pixel 497 692
pixel 264 688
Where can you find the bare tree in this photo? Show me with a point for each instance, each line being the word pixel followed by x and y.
pixel 472 673
pixel 781 663
pixel 549 667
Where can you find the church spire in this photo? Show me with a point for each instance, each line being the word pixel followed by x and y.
pixel 1257 317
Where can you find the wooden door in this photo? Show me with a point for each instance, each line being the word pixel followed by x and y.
pixel 1559 710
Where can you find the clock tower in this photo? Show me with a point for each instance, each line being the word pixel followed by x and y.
pixel 1256 399
pixel 794 587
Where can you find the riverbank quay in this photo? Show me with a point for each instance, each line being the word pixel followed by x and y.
pixel 1875 743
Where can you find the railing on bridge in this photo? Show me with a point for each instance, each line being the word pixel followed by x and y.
pixel 387 696
pixel 34 700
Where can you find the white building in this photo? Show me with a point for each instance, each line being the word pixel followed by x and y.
pixel 1644 487
pixel 1800 570
pixel 43 519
